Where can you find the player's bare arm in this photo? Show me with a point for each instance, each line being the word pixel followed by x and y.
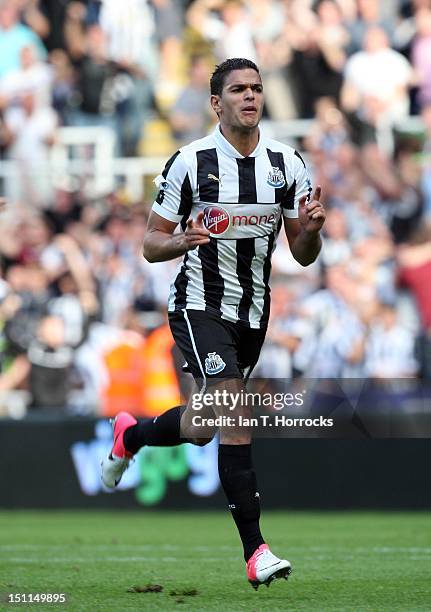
pixel 162 244
pixel 303 233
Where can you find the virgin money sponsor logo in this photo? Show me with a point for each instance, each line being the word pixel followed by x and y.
pixel 253 219
pixel 216 219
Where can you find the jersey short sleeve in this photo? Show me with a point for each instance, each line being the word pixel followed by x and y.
pixel 300 186
pixel 175 198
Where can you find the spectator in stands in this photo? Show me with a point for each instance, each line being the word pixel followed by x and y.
pixel 285 332
pixel 29 121
pixel 335 160
pixel 369 15
pixel 32 128
pixel 334 345
pixel 116 290
pixel 64 255
pixel 35 239
pixel 57 14
pixel 227 24
pixel 159 379
pixel 33 76
pixel 336 248
pixel 390 347
pixel 421 55
pixel 32 14
pixel 373 266
pixel 414 261
pixel 269 20
pixel 319 41
pixel 5 140
pixel 79 310
pixel 74 307
pixel 62 84
pixel 13 37
pixel 169 33
pixel 121 275
pixel 332 39
pixel 65 209
pixel 25 303
pixel 426 163
pixel 95 99
pixel 375 91
pixel 129 27
pixel 395 194
pixel 33 243
pixel 235 39
pixel 45 367
pixel 50 361
pixel 190 116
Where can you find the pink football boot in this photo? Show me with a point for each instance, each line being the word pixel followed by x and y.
pixel 263 567
pixel 116 463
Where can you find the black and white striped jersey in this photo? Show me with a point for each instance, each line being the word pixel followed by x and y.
pixel 243 200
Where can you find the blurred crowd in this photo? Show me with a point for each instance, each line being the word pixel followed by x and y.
pixel 101 62
pixel 83 315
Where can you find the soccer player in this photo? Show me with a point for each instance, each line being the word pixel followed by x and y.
pixel 231 192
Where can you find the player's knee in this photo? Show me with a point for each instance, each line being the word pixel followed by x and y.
pixel 235 437
pixel 200 441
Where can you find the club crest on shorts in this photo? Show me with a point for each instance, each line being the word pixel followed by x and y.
pixel 214 363
pixel 276 178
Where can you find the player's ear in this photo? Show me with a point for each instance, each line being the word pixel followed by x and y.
pixel 215 103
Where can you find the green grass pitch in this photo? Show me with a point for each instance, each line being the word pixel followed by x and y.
pixel 341 561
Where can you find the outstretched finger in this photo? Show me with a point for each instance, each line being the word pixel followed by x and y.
pixel 317 193
pixel 198 241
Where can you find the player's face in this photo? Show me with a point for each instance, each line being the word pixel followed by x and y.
pixel 241 102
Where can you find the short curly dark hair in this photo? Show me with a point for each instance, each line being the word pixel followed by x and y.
pixel 221 71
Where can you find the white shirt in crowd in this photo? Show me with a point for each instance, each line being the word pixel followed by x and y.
pixel 379 75
pixel 130 29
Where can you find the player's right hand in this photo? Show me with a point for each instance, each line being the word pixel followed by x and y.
pixel 196 233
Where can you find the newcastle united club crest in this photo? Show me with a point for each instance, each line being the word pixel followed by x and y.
pixel 214 363
pixel 276 178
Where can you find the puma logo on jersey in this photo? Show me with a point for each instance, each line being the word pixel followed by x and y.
pixel 213 177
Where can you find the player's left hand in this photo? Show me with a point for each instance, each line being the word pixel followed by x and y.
pixel 312 214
